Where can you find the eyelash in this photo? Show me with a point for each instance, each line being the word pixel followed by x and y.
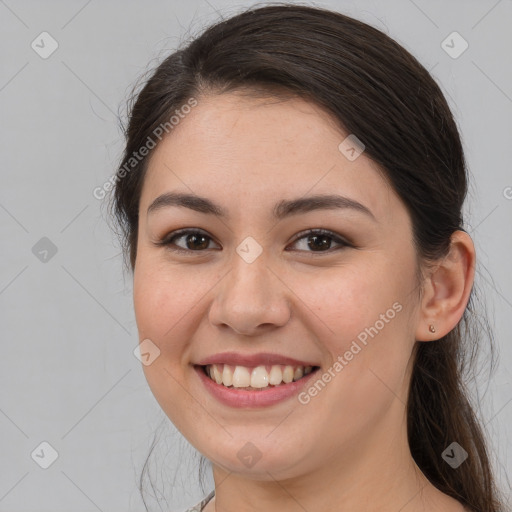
pixel 168 240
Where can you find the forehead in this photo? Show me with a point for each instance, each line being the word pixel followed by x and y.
pixel 233 147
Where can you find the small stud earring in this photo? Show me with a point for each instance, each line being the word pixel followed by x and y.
pixel 431 328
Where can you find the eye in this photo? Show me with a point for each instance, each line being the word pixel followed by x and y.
pixel 318 240
pixel 195 240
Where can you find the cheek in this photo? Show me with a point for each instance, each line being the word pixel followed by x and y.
pixel 346 301
pixel 161 306
pixel 164 312
pixel 361 321
pixel 161 298
pixel 363 317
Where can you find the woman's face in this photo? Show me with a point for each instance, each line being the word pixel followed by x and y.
pixel 345 302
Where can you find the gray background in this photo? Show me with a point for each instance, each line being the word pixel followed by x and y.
pixel 68 375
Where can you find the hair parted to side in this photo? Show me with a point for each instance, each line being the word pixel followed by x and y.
pixel 378 91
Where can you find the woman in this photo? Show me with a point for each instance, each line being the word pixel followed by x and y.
pixel 290 200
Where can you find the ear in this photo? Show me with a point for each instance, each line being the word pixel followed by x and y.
pixel 446 289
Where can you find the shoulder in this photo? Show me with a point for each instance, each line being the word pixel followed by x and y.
pixel 199 507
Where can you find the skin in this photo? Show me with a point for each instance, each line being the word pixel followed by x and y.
pixel 347 448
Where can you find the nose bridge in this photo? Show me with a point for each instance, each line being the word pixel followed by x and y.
pixel 250 295
pixel 249 276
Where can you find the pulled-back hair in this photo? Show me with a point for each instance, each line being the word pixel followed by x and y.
pixel 378 91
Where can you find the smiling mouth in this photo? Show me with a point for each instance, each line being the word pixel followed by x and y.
pixel 256 378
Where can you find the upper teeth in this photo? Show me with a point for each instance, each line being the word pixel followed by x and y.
pixel 258 377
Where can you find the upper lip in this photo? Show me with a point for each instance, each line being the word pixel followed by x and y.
pixel 261 359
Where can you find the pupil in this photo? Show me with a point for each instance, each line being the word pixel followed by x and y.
pixel 324 238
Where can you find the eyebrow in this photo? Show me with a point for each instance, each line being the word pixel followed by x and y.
pixel 282 209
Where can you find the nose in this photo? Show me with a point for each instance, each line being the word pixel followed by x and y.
pixel 251 299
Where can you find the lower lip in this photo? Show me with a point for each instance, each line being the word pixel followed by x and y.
pixel 245 398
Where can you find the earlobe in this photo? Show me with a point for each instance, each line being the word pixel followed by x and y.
pixel 447 289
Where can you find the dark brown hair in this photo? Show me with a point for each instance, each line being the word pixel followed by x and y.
pixel 378 91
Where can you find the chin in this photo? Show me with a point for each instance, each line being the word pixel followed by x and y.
pixel 258 457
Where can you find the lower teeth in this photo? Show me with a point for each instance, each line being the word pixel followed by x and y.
pixel 249 388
